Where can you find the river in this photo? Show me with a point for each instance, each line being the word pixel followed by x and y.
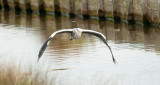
pixel 85 61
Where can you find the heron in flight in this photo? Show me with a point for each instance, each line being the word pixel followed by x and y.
pixel 75 34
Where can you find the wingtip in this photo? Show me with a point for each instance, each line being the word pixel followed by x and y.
pixel 39 56
pixel 114 61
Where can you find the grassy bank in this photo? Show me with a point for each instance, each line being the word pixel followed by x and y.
pixel 12 76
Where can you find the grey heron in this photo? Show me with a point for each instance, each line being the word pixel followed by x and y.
pixel 75 34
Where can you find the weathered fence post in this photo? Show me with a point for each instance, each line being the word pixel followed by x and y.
pixel 22 5
pixel 130 11
pixel 0 5
pixel 101 12
pixel 116 12
pixel 28 6
pixel 159 10
pixel 57 8
pixel 71 8
pixel 49 6
pixel 108 7
pixel 138 10
pixel 41 7
pixel 5 5
pixel 85 9
pixel 16 6
pixel 145 10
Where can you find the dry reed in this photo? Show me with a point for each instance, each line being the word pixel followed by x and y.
pixel 10 75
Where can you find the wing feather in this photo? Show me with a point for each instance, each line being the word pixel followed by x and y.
pixel 102 37
pixel 49 39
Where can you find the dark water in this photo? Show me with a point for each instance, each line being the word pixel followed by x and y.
pixel 85 61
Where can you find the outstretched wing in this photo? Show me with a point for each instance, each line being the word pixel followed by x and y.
pixel 101 36
pixel 49 39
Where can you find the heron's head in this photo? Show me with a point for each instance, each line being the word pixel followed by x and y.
pixel 76 33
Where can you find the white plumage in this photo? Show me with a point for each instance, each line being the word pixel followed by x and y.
pixel 75 34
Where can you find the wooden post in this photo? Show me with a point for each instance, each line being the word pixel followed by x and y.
pixel 22 5
pixel 41 7
pixel 0 5
pixel 130 12
pixel 49 6
pixel 71 8
pixel 145 10
pixel 116 13
pixel 57 8
pixel 159 10
pixel 28 6
pixel 101 12
pixel 5 5
pixel 85 9
pixel 16 5
pixel 34 6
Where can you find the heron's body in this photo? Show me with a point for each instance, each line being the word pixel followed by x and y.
pixel 75 34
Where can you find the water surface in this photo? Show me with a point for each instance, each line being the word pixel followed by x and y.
pixel 85 61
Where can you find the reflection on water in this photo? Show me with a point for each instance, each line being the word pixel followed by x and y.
pixel 85 61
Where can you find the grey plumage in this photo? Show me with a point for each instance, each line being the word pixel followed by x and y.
pixel 75 33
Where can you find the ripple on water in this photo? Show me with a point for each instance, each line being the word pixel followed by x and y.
pixel 85 61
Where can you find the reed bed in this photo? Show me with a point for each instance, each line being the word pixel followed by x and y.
pixel 10 75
